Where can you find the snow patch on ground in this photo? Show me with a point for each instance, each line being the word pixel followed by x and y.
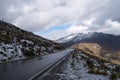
pixel 9 52
pixel 78 67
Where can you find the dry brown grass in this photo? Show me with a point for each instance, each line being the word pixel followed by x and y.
pixel 96 51
pixel 90 48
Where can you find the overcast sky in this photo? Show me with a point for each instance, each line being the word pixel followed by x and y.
pixel 56 18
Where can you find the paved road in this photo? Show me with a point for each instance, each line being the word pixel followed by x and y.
pixel 25 69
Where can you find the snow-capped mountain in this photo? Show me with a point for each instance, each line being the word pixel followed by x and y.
pixel 66 39
pixel 74 37
pixel 16 43
pixel 107 41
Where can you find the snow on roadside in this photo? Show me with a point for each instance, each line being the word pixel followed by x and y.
pixel 78 67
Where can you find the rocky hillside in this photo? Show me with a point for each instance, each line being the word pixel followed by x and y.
pixel 106 41
pixel 97 51
pixel 16 43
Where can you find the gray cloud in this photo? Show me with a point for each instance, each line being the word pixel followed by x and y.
pixel 38 15
pixel 42 14
pixel 107 10
pixel 11 9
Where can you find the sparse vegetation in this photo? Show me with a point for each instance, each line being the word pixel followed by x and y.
pixel 3 60
pixel 9 58
pixel 114 76
pixel 5 55
pixel 14 40
pixel 96 66
pixel 28 53
pixel 1 52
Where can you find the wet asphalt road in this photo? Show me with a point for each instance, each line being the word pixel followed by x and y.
pixel 25 69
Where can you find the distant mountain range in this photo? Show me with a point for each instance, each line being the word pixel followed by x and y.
pixel 106 41
pixel 16 43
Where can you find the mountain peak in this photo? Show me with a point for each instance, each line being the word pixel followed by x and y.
pixel 75 37
pixel 107 41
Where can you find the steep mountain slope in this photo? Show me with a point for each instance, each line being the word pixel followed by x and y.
pixel 16 43
pixel 107 41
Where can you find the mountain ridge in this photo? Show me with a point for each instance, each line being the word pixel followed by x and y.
pixel 107 41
